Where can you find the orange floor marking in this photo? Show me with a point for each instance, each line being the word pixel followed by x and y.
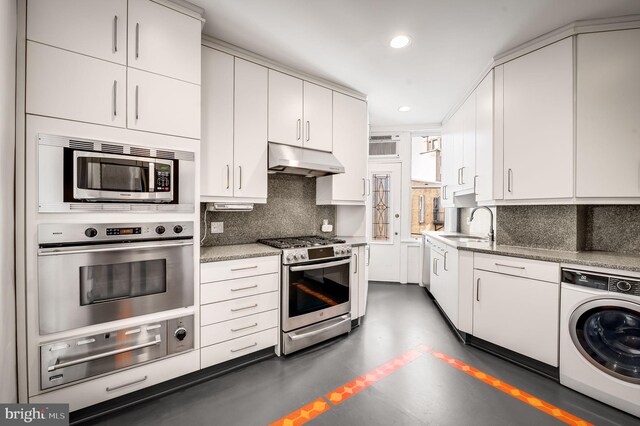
pixel 514 392
pixel 346 391
pixel 304 414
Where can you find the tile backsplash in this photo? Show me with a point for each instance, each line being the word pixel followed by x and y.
pixel 290 211
pixel 611 228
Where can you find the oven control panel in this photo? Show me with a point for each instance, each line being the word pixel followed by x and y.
pixel 70 233
pixel 310 254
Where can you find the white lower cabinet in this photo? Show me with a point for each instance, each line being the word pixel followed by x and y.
pixel 359 284
pixel 444 280
pixel 114 385
pixel 240 308
pixel 516 313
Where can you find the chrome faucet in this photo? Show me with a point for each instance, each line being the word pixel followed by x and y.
pixel 491 231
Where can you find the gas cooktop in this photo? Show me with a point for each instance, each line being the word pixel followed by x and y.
pixel 300 242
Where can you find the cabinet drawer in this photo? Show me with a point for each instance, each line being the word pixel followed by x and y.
pixel 232 269
pixel 114 385
pixel 526 268
pixel 242 287
pixel 231 309
pixel 228 330
pixel 215 354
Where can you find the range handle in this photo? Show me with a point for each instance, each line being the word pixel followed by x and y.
pixel 58 251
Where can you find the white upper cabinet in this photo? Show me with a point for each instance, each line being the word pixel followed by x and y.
pixel 95 28
pixel 162 105
pixel 538 124
pixel 285 109
pixel 216 148
pixel 350 131
pixel 488 184
pixel 250 130
pixel 66 85
pixel 448 164
pixel 468 165
pixel 318 106
pixel 164 41
pixel 608 114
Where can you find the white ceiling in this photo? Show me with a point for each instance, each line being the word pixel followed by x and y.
pixel 347 41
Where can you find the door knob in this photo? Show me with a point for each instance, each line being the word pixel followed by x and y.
pixel 397 215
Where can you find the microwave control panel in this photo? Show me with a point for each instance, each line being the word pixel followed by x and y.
pixel 163 178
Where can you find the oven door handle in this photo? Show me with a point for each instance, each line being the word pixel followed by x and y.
pixel 319 265
pixel 57 366
pixel 345 318
pixel 56 251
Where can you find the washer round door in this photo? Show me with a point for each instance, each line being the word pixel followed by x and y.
pixel 607 334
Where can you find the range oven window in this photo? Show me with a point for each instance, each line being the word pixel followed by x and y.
pixel 110 174
pixel 103 283
pixel 312 290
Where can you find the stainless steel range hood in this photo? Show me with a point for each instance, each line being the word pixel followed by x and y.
pixel 294 160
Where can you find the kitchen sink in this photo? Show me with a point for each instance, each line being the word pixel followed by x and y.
pixel 466 238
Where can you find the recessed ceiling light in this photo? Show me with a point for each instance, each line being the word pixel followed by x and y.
pixel 400 41
pixel 404 108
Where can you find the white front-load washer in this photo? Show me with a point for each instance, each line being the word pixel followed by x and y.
pixel 600 337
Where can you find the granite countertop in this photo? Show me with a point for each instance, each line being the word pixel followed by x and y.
pixel 236 251
pixel 354 241
pixel 601 259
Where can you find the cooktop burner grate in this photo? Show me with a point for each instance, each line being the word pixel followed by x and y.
pixel 300 242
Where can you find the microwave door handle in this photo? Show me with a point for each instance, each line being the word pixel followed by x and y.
pixel 57 366
pixel 319 265
pixel 152 176
pixel 57 251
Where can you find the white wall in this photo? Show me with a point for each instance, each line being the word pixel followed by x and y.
pixel 8 22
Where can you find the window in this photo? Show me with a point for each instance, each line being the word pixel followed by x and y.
pixel 381 188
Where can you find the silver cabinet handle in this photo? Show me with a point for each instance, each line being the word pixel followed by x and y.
pixel 114 388
pixel 445 260
pixel 459 182
pixel 319 266
pixel 509 176
pixel 356 262
pixel 421 214
pixel 115 98
pixel 246 347
pixel 239 177
pixel 299 129
pixel 478 290
pixel 368 254
pixel 115 34
pixel 137 40
pixel 245 288
pixel 255 305
pixel 436 268
pixel 509 266
pixel 244 268
pixel 228 177
pixel 322 330
pixel 462 175
pixel 137 102
pixel 364 187
pixel 308 131
pixel 244 328
pixel 57 366
pixel 475 184
pixel 444 192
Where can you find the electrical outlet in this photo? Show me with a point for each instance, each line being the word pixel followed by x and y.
pixel 217 227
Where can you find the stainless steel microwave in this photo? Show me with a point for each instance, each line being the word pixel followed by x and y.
pixel 88 175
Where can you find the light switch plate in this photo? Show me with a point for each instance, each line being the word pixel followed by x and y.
pixel 217 227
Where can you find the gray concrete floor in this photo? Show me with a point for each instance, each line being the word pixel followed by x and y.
pixel 425 392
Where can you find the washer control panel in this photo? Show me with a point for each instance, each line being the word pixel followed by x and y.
pixel 613 284
pixel 624 285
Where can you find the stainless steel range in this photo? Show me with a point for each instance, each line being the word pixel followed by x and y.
pixel 316 281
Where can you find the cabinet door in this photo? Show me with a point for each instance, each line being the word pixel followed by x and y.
pixel 518 314
pixel 163 105
pixel 216 148
pixel 350 148
pixel 608 153
pixel 486 167
pixel 447 153
pixel 363 278
pixel 457 123
pixel 354 285
pixel 75 87
pixel 468 166
pixel 285 109
pixel 250 130
pixel 436 275
pixel 95 28
pixel 538 124
pixel 318 107
pixel 164 41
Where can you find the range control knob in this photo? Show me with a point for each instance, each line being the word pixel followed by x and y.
pixel 160 229
pixel 303 256
pixel 91 232
pixel 180 333
pixel 623 286
pixel 348 250
pixel 296 256
pixel 177 229
pixel 290 257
